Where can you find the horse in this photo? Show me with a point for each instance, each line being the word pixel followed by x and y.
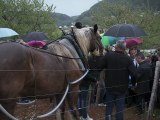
pixel 31 72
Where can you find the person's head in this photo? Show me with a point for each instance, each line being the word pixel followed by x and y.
pixel 148 58
pixel 120 46
pixel 140 57
pixel 133 52
pixel 78 25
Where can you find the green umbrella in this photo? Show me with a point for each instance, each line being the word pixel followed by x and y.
pixel 109 41
pixel 105 41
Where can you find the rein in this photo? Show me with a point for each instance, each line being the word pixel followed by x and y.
pixel 41 50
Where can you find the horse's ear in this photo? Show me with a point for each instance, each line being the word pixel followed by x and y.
pixel 95 28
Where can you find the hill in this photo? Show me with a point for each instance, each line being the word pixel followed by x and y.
pixel 85 17
pixel 62 19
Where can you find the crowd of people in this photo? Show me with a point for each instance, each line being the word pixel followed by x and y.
pixel 128 79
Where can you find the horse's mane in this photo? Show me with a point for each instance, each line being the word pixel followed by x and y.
pixel 82 35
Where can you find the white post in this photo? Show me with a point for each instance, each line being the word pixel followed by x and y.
pixel 154 91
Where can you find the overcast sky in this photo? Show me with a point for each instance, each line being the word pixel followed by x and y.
pixel 71 7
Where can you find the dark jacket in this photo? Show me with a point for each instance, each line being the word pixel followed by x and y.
pixel 93 75
pixel 144 73
pixel 118 67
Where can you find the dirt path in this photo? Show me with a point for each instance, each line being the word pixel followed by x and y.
pixel 96 112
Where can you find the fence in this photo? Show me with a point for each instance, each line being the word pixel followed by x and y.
pixel 101 115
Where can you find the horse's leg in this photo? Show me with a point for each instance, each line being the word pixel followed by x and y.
pixel 72 99
pixel 63 110
pixel 9 106
pixel 60 113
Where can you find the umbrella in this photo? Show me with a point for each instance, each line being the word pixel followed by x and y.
pixel 7 32
pixel 35 36
pixel 37 44
pixel 105 41
pixel 130 42
pixel 125 30
pixel 109 41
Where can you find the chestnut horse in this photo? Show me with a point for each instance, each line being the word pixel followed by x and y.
pixel 37 73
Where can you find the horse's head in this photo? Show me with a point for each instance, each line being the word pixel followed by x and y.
pixel 96 44
pixel 89 39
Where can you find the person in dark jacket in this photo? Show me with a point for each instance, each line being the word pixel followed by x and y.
pixel 144 73
pixel 118 66
pixel 131 95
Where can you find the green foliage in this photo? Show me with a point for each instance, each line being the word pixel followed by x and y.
pixel 106 14
pixel 27 15
pixel 150 4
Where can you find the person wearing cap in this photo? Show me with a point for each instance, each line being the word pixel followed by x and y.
pixel 118 66
pixel 78 25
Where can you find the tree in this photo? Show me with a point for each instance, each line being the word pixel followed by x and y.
pixel 151 4
pixel 108 14
pixel 27 15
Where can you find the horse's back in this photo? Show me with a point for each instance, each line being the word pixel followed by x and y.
pixel 11 52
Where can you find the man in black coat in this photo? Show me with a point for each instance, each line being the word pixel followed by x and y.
pixel 144 73
pixel 118 66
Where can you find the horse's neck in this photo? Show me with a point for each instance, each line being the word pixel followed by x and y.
pixel 84 45
pixel 84 49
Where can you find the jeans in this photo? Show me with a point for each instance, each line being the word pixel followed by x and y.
pixel 119 101
pixel 83 100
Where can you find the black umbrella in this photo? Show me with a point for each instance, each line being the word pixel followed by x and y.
pixel 125 30
pixel 35 36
